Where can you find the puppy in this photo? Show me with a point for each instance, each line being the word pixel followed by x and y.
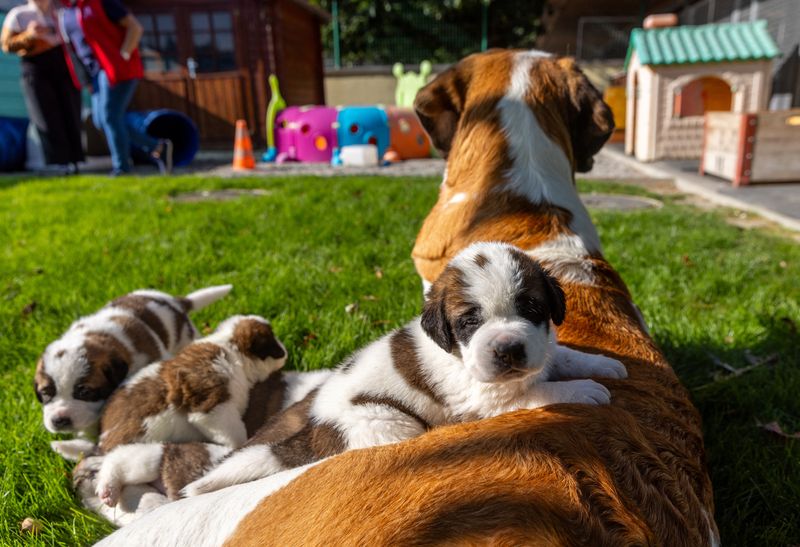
pixel 77 373
pixel 165 468
pixel 484 345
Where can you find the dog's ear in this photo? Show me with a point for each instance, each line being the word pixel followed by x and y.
pixel 115 370
pixel 439 105
pixel 590 119
pixel 555 299
pixel 434 319
pixel 255 338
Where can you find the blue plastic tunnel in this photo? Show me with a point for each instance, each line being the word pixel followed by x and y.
pixel 13 143
pixel 167 124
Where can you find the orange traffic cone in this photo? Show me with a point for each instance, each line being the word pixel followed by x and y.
pixel 243 148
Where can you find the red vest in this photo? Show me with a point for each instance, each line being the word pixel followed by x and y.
pixel 105 38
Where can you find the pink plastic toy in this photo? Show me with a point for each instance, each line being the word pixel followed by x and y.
pixel 306 134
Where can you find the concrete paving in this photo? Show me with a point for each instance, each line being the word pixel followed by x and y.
pixel 779 203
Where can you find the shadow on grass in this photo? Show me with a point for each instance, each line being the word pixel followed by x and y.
pixel 755 473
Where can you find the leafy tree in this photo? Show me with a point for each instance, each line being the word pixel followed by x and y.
pixel 442 31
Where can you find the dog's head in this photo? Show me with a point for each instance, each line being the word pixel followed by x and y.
pixel 494 306
pixel 566 105
pixel 74 377
pixel 252 336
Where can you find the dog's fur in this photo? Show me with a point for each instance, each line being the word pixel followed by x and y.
pixel 148 475
pixel 78 372
pixel 484 345
pixel 515 125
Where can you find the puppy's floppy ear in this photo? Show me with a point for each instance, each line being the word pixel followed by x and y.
pixel 256 338
pixel 555 299
pixel 115 370
pixel 434 320
pixel 590 119
pixel 439 105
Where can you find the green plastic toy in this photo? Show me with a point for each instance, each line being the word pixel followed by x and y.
pixel 276 104
pixel 409 83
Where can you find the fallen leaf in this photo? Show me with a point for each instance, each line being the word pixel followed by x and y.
pixel 30 526
pixel 775 427
pixel 308 338
pixel 369 297
pixel 378 273
pixel 351 308
pixel 335 269
pixel 783 264
pixel 687 261
pixel 29 308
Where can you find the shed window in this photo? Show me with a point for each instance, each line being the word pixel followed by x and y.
pixel 159 46
pixel 212 38
pixel 702 95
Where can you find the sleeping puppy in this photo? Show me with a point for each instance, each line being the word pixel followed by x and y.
pixel 78 372
pixel 148 475
pixel 199 395
pixel 484 345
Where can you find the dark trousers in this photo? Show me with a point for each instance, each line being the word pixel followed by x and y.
pixel 54 106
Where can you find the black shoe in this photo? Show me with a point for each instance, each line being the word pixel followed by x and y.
pixel 163 157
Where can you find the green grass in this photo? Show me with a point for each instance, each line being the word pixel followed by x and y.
pixel 309 247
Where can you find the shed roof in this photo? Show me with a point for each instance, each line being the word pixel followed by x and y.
pixel 713 43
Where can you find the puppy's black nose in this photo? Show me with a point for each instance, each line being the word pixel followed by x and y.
pixel 509 355
pixel 62 422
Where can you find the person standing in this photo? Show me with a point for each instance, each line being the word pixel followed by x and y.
pixel 102 45
pixel 52 101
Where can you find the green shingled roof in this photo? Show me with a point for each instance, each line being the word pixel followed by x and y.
pixel 702 44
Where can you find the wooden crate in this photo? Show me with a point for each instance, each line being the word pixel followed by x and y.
pixel 750 148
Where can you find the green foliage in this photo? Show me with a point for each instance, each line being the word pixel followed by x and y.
pixel 409 31
pixel 307 247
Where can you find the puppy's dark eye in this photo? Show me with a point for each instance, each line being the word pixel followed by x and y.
pixel 469 319
pixel 84 393
pixel 45 393
pixel 532 309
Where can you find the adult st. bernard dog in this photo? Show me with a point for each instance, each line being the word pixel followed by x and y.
pixel 515 125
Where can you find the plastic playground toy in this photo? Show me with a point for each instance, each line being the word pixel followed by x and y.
pixel 306 134
pixel 363 125
pixel 409 83
pixel 276 104
pixel 406 135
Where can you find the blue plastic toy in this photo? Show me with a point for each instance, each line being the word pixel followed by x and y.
pixel 363 125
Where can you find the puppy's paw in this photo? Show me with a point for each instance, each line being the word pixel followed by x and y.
pixel 108 493
pixel 588 392
pixel 195 488
pixel 606 367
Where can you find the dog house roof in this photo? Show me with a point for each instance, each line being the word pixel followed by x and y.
pixel 714 43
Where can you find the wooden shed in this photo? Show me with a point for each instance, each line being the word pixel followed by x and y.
pixel 677 74
pixel 210 59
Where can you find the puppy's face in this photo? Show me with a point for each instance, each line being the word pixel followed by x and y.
pixel 493 306
pixel 75 376
pixel 253 337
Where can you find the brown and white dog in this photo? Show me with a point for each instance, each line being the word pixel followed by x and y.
pixel 201 394
pixel 515 125
pixel 148 475
pixel 79 371
pixel 484 345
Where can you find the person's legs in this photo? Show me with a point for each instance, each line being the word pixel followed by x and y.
pixel 41 100
pixel 111 105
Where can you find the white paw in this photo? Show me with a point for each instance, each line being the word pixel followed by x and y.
pixel 108 493
pixel 195 488
pixel 588 392
pixel 606 367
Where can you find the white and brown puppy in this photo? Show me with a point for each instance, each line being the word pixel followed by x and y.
pixel 201 394
pixel 484 345
pixel 151 470
pixel 79 371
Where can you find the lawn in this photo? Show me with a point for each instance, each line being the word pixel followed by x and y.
pixel 305 249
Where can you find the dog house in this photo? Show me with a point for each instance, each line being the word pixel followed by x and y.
pixel 677 74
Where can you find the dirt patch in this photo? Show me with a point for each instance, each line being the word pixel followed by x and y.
pixel 619 202
pixel 218 195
